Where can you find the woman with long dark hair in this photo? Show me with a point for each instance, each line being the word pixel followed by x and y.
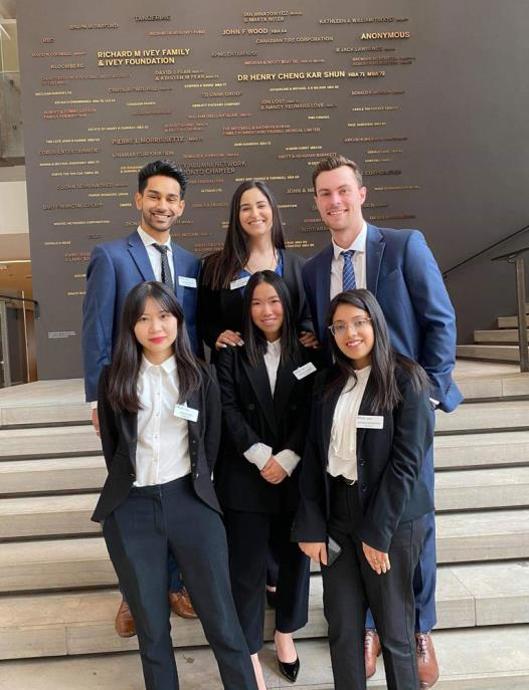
pixel 254 242
pixel 362 498
pixel 265 389
pixel 159 413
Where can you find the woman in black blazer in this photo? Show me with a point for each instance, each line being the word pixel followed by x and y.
pixel 254 242
pixel 159 413
pixel 265 390
pixel 362 498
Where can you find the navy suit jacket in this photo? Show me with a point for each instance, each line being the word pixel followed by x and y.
pixel 114 269
pixel 404 277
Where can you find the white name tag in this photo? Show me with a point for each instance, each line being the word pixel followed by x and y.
pixel 305 370
pixel 185 412
pixel 367 421
pixel 187 282
pixel 241 282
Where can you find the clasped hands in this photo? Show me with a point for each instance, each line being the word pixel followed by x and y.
pixel 317 551
pixel 273 472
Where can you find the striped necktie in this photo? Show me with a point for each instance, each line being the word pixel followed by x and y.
pixel 167 278
pixel 348 276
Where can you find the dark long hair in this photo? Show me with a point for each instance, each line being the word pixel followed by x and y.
pixel 220 268
pixel 254 338
pixel 127 357
pixel 384 391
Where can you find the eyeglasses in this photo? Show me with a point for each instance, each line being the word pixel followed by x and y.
pixel 341 327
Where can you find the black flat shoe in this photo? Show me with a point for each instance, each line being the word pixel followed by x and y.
pixel 290 671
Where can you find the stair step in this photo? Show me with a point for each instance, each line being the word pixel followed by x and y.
pixel 505 414
pixel 84 562
pixel 506 669
pixel 498 386
pixel 48 442
pixel 494 449
pixel 498 353
pixel 503 335
pixel 52 475
pixel 506 487
pixel 44 402
pixel 83 622
pixel 509 321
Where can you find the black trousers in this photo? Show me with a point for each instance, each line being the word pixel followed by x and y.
pixel 138 535
pixel 350 586
pixel 249 535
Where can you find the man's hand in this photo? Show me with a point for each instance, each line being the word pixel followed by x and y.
pixel 228 338
pixel 95 421
pixel 316 551
pixel 273 472
pixel 308 339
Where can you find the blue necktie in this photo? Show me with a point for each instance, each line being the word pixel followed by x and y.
pixel 348 279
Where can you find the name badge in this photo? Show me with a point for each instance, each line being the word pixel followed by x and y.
pixel 305 370
pixel 185 412
pixel 241 282
pixel 187 282
pixel 367 421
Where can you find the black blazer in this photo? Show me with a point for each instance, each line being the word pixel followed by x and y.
pixel 251 415
pixel 119 439
pixel 388 463
pixel 219 310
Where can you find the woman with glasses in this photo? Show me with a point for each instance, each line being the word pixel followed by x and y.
pixel 362 499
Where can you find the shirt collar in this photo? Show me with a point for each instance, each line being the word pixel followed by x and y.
pixel 169 365
pixel 274 347
pixel 148 240
pixel 359 244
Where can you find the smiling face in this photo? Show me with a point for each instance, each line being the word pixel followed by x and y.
pixel 156 330
pixel 267 311
pixel 339 200
pixel 160 205
pixel 354 334
pixel 255 213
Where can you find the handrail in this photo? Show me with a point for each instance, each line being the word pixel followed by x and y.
pixel 511 256
pixel 484 251
pixel 24 299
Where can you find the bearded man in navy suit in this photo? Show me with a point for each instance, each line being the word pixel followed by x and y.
pixel 399 269
pixel 114 269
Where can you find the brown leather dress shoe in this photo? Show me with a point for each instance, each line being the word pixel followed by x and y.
pixel 124 624
pixel 181 604
pixel 426 660
pixel 372 650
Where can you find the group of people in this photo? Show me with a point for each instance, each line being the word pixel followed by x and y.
pixel 309 436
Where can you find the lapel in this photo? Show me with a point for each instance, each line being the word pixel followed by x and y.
pixel 323 289
pixel 364 409
pixel 179 289
pixel 261 385
pixel 375 246
pixel 194 401
pixel 139 256
pixel 284 384
pixel 129 431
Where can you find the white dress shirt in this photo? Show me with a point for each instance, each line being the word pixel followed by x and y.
pixel 359 263
pixel 154 255
pixel 162 453
pixel 342 448
pixel 259 454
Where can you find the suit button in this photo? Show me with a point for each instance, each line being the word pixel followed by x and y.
pixel 195 475
pixel 364 487
pixel 193 442
pixel 251 406
pixel 132 475
pixel 362 463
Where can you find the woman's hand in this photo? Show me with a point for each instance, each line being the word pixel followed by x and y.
pixel 308 339
pixel 228 338
pixel 273 472
pixel 316 551
pixel 95 421
pixel 378 560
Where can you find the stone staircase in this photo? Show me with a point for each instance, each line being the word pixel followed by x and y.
pixel 58 593
pixel 498 344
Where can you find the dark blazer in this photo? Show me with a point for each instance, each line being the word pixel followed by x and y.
pixel 404 276
pixel 220 310
pixel 119 439
pixel 251 415
pixel 114 269
pixel 388 463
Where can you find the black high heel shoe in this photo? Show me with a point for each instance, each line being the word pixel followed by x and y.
pixel 289 671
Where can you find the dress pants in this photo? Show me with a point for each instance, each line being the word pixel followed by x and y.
pixel 425 577
pixel 350 586
pixel 138 534
pixel 249 535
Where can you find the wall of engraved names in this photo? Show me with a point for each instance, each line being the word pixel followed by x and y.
pixel 232 91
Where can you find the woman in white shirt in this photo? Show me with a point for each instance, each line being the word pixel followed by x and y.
pixel 362 498
pixel 159 413
pixel 265 387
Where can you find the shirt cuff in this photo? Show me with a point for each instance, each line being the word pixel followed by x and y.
pixel 288 460
pixel 93 404
pixel 435 402
pixel 259 454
